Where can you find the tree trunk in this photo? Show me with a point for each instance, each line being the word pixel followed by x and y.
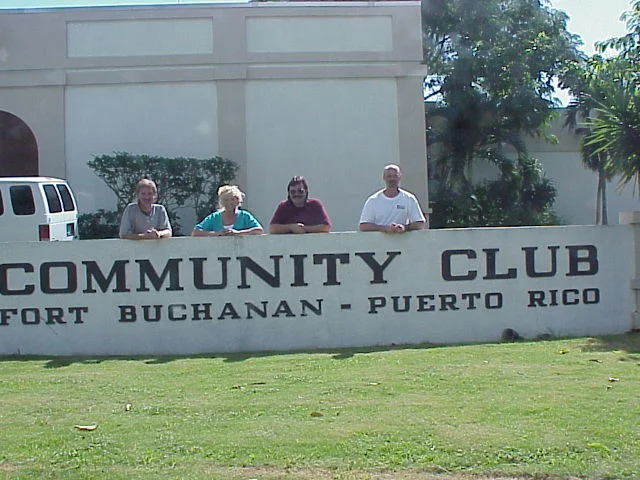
pixel 599 198
pixel 605 217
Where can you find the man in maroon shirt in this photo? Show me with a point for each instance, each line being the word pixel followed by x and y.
pixel 299 213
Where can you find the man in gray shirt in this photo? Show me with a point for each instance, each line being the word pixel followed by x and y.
pixel 145 220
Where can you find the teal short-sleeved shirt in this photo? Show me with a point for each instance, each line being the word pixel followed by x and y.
pixel 213 222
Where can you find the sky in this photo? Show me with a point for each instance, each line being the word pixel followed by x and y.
pixel 593 20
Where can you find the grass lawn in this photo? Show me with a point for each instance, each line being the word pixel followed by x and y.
pixel 556 408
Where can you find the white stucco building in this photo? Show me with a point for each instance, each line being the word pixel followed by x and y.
pixel 330 90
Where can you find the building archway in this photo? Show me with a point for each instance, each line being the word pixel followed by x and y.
pixel 18 147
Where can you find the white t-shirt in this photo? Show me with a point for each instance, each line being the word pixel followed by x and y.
pixel 382 210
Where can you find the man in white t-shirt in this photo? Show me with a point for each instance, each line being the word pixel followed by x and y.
pixel 391 210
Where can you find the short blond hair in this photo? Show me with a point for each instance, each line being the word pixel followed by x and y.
pixel 227 191
pixel 145 182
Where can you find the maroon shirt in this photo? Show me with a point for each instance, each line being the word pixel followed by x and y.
pixel 311 213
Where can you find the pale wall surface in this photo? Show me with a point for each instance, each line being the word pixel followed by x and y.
pixel 135 118
pixel 344 163
pixel 195 295
pixel 576 186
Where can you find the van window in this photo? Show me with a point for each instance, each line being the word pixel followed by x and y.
pixel 53 200
pixel 67 199
pixel 1 205
pixel 22 200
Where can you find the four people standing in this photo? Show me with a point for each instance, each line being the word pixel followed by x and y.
pixel 390 210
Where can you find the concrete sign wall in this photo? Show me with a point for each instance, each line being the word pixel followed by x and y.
pixel 196 295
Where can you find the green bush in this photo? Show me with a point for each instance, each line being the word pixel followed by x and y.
pixel 523 196
pixel 182 182
pixel 100 224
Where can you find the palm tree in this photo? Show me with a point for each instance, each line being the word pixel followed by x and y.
pixel 594 161
pixel 615 132
pixel 595 84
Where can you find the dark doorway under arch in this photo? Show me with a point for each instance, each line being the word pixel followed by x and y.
pixel 18 147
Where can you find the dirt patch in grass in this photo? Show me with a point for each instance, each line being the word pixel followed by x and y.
pixel 8 467
pixel 265 473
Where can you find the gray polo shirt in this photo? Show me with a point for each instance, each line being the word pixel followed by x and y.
pixel 136 221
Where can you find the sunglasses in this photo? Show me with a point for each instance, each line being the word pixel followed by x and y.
pixel 299 191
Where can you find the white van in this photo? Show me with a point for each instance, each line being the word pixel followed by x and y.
pixel 37 209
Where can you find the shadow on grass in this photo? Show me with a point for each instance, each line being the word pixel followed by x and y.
pixel 628 343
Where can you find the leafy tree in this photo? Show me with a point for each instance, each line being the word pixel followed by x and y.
pixel 606 106
pixel 615 133
pixel 492 66
pixel 628 45
pixel 523 196
pixel 616 125
pixel 592 82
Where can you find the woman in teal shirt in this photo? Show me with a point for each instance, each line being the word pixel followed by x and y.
pixel 228 219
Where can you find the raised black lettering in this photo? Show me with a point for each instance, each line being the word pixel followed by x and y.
pixel 590 296
pixel 575 296
pixel 118 271
pixel 493 300
pixel 530 262
pixel 446 265
pixel 490 256
pixel 317 309
pixel 198 273
pixel 298 270
pixel 586 255
pixel 332 271
pixel 78 311
pixel 471 297
pixel 5 315
pixel 271 279
pixel 171 269
pixel 127 313
pixel 536 298
pixel 448 302
pixel 30 316
pixel 396 303
pixel 54 315
pixel 252 308
pixel 201 311
pixel 28 289
pixel 70 275
pixel 423 303
pixel 377 268
pixel 283 308
pixel 157 314
pixel 228 311
pixel 376 303
pixel 175 317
